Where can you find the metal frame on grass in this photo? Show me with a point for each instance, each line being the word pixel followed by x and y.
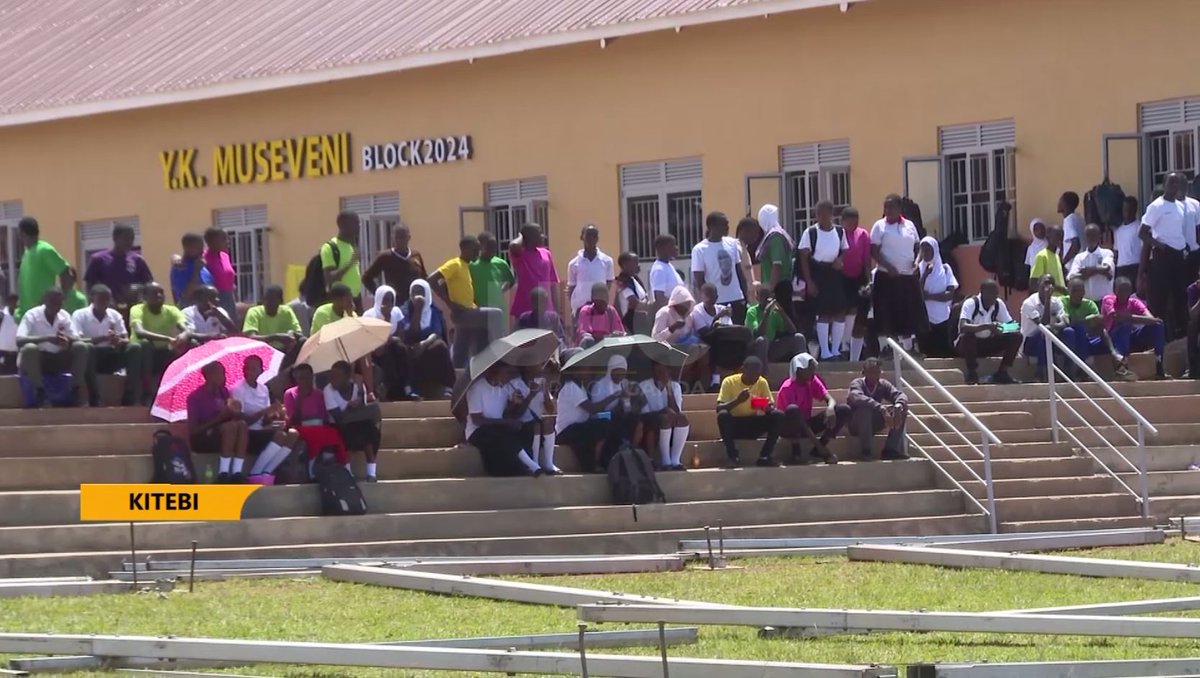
pixel 1087 567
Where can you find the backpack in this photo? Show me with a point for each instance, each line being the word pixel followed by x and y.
pixel 340 494
pixel 313 288
pixel 631 478
pixel 293 470
pixel 979 309
pixel 812 236
pixel 172 459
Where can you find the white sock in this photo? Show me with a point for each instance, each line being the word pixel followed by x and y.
pixel 224 464
pixel 524 457
pixel 823 338
pixel 263 463
pixel 536 452
pixel 678 440
pixel 716 379
pixel 835 339
pixel 348 469
pixel 237 464
pixel 547 458
pixel 370 469
pixel 907 343
pixel 311 464
pixel 664 447
pixel 856 347
pixel 848 331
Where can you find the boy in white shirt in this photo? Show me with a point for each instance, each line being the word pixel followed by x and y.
pixel 1072 225
pixel 47 344
pixel 981 334
pixel 589 267
pixel 718 260
pixel 664 277
pixel 1094 265
pixel 1043 307
pixel 207 317
pixel 268 436
pixel 102 326
pixel 1128 241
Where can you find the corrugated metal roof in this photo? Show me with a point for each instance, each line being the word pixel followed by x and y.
pixel 67 58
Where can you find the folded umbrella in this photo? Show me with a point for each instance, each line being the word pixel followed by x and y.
pixel 346 339
pixel 183 376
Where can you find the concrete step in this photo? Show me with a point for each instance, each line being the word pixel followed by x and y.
pixel 483 494
pixel 1006 469
pixel 468 524
pixel 1056 525
pixel 97 563
pixel 1167 506
pixel 1009 488
pixel 1168 435
pixel 1008 451
pixel 1066 507
pixel 1158 457
pixel 1165 483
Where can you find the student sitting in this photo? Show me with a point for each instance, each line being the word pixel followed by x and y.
pixel 215 424
pixel 340 305
pixel 1043 308
pixel 206 318
pixel 354 412
pixel 775 335
pixel 493 430
pixel 746 411
pixel 674 324
pixel 611 393
pixel 796 398
pixel 163 332
pixel 102 326
pixel 633 301
pixel 662 416
pixel 938 286
pixel 534 401
pixel 876 405
pixel 276 324
pixel 597 319
pixel 268 437
pixel 980 333
pixel 576 426
pixel 391 359
pixel 427 355
pixel 306 413
pixel 1083 316
pixel 1132 326
pixel 48 344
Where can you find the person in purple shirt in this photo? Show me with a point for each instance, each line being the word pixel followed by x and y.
pixel 120 267
pixel 215 424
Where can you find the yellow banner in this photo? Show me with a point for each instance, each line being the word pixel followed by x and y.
pixel 146 502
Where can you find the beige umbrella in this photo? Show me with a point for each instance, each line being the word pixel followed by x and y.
pixel 347 339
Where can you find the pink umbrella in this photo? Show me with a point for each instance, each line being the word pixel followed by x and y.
pixel 183 376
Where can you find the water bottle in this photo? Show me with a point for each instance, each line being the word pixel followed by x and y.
pixel 208 474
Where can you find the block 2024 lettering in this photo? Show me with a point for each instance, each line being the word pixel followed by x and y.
pixel 164 501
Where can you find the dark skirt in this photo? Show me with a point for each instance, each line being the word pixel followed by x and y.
pixel 582 439
pixel 899 305
pixel 856 301
pixel 259 439
pixel 498 447
pixel 937 343
pixel 359 435
pixel 831 289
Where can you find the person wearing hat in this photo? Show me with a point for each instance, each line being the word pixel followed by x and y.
pixel 746 411
pixel 876 406
pixel 796 398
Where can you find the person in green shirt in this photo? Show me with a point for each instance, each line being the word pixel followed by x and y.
pixel 1048 262
pixel 73 299
pixel 341 305
pixel 163 332
pixel 775 336
pixel 345 269
pixel 40 269
pixel 274 323
pixel 1091 339
pixel 776 257
pixel 491 275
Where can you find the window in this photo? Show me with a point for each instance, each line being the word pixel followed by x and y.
pixel 1169 129
pixel 979 165
pixel 11 246
pixel 812 173
pixel 377 214
pixel 510 204
pixel 96 235
pixel 658 198
pixel 247 231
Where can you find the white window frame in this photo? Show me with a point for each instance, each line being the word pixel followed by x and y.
pixel 247 229
pixel 1177 123
pixel 822 168
pixel 510 204
pixel 378 214
pixel 971 154
pixel 95 235
pixel 11 245
pixel 663 185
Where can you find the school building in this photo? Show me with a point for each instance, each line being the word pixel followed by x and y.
pixel 266 117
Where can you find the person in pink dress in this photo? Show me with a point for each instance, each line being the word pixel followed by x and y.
pixel 218 263
pixel 856 268
pixel 534 266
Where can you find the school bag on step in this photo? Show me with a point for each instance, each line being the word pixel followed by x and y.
pixel 631 478
pixel 172 459
pixel 340 493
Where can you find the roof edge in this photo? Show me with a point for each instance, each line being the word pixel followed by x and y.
pixel 412 62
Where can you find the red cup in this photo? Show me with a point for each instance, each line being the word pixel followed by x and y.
pixel 759 403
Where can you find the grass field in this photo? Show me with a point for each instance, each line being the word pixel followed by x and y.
pixel 311 609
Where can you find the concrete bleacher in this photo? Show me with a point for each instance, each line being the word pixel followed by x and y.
pixel 433 498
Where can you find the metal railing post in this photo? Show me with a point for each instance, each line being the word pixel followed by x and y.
pixel 1145 483
pixel 987 483
pixel 897 364
pixel 1050 380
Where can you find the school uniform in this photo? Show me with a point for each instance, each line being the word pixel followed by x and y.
pixel 499 445
pixel 896 299
pixel 576 428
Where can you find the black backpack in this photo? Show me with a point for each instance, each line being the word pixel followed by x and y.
pixel 313 287
pixel 340 494
pixel 812 236
pixel 631 478
pixel 293 470
pixel 979 310
pixel 172 459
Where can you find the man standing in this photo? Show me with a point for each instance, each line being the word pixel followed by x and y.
pixel 343 267
pixel 1095 266
pixel 1043 308
pixel 275 324
pixel 1167 221
pixel 877 405
pixel 1128 241
pixel 718 260
pixel 452 283
pixel 746 411
pixel 397 267
pixel 41 267
pixel 590 266
pixel 1132 326
pixel 1072 225
pixel 48 345
pixel 664 277
pixel 533 264
pixel 981 333
pixel 492 277
pixel 162 331
pixel 119 267
pixel 102 326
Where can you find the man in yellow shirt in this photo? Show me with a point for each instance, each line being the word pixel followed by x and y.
pixel 452 284
pixel 746 411
pixel 1048 262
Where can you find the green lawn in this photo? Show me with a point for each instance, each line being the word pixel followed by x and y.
pixel 317 610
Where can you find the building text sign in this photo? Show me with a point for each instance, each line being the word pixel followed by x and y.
pixel 258 162
pixel 432 151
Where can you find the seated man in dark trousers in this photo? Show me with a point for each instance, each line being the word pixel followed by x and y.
pixel 48 345
pixel 980 333
pixel 746 411
pixel 876 405
pixel 797 396
pixel 163 332
pixel 215 424
pixel 101 326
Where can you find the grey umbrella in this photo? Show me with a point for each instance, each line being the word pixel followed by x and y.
pixel 519 349
pixel 639 349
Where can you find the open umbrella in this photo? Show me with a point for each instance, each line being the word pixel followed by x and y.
pixel 638 349
pixel 521 348
pixel 183 375
pixel 347 339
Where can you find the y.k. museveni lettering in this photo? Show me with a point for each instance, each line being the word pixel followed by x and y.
pixel 259 162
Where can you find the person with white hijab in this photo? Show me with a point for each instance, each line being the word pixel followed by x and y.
pixel 1037 229
pixel 391 359
pixel 675 325
pixel 938 286
pixel 423 333
pixel 776 255
pixel 611 396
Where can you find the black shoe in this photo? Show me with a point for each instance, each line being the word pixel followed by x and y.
pixel 798 458
pixel 223 478
pixel 39 398
pixel 538 473
pixel 732 463
pixel 972 378
pixel 237 479
pixel 679 467
pixel 1002 377
pixel 893 455
pixel 371 479
pixel 865 455
pixel 831 459
pixel 767 462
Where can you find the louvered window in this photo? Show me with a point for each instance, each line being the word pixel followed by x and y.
pixel 377 214
pixel 247 231
pixel 979 163
pixel 11 246
pixel 96 235
pixel 512 204
pixel 813 173
pixel 658 198
pixel 1170 129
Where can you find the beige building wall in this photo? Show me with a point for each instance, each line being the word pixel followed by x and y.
pixel 885 75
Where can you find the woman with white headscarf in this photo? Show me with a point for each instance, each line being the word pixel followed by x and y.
pixel 938 286
pixel 391 359
pixel 1037 229
pixel 776 254
pixel 422 331
pixel 610 395
pixel 675 325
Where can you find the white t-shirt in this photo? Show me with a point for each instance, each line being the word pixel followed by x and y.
pixel 939 311
pixel 1128 244
pixel 582 273
pixel 701 319
pixel 1072 227
pixel 1191 221
pixel 664 277
pixel 88 326
pixel 253 399
pixel 718 261
pixel 486 399
pixel 537 405
pixel 334 400
pixel 202 324
pixel 570 397
pixel 1032 308
pixel 8 331
pixel 829 245
pixel 657 398
pixel 624 295
pixel 35 324
pixel 1168 222
pixel 1096 287
pixel 973 313
pixel 897 244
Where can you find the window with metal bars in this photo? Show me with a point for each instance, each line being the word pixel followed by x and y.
pixel 1171 151
pixel 1169 130
pixel 979 182
pixel 813 172
pixel 246 229
pixel 512 204
pixel 11 245
pixel 659 198
pixel 377 214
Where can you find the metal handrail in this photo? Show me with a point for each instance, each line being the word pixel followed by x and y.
pixel 1104 466
pixel 1120 427
pixel 1083 420
pixel 900 356
pixel 904 383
